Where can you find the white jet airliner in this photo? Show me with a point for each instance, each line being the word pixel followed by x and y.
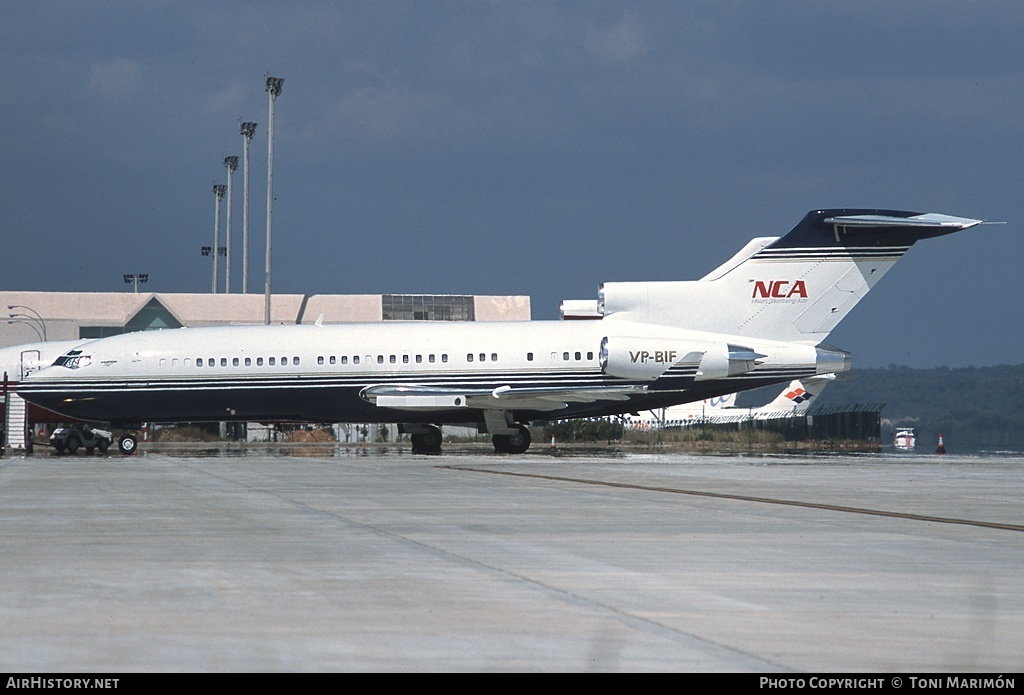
pixel 759 319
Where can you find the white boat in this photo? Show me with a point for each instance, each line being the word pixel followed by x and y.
pixel 905 438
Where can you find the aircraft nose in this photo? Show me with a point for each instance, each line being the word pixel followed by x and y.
pixel 42 391
pixel 34 387
pixel 39 375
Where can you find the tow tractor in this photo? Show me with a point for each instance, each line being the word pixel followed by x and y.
pixel 71 439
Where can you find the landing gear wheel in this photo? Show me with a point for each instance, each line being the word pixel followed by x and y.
pixel 519 441
pixel 127 444
pixel 516 443
pixel 500 442
pixel 428 442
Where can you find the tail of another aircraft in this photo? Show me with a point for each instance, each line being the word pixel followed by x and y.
pixel 798 397
pixel 794 288
pixel 794 400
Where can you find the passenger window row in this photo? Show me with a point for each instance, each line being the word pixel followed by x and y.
pixel 247 361
pixel 368 359
pixel 391 359
pixel 565 356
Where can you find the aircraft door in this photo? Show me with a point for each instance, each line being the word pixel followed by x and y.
pixel 30 362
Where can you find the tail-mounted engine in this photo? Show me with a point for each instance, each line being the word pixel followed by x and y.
pixel 648 358
pixel 641 358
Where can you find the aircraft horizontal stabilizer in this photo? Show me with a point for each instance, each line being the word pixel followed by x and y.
pixel 929 220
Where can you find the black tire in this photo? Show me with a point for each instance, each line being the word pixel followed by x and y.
pixel 432 440
pixel 500 442
pixel 72 443
pixel 519 441
pixel 427 442
pixel 127 444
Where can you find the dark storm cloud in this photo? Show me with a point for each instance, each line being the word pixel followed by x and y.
pixel 519 147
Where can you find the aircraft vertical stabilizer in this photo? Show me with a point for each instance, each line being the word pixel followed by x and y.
pixel 795 288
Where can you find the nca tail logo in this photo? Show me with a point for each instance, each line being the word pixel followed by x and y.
pixel 779 290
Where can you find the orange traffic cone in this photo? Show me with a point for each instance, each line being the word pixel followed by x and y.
pixel 942 447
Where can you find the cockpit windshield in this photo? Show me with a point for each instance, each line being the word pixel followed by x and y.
pixel 73 359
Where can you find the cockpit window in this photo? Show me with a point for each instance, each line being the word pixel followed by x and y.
pixel 62 360
pixel 73 359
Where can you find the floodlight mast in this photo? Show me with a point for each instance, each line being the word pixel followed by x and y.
pixel 274 86
pixel 248 130
pixel 218 191
pixel 135 278
pixel 232 164
pixel 206 250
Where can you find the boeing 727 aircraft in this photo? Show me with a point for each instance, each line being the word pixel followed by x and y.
pixel 758 319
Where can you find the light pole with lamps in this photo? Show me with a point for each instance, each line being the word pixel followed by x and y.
pixel 274 86
pixel 232 164
pixel 136 278
pixel 27 320
pixel 248 130
pixel 35 313
pixel 218 191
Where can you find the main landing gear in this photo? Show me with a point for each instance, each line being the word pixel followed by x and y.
pixel 515 443
pixel 426 439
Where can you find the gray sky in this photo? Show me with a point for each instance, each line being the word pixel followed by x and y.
pixel 534 148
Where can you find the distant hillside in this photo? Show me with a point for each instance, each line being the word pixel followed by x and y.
pixel 974 408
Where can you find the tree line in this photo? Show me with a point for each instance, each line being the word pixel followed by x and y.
pixel 973 408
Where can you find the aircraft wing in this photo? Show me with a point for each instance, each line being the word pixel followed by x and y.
pixel 426 398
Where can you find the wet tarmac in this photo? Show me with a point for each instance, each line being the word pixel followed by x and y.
pixel 375 559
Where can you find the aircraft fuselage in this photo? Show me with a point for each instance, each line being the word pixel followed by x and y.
pixel 320 373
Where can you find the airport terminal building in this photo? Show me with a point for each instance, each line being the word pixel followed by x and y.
pixel 31 317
